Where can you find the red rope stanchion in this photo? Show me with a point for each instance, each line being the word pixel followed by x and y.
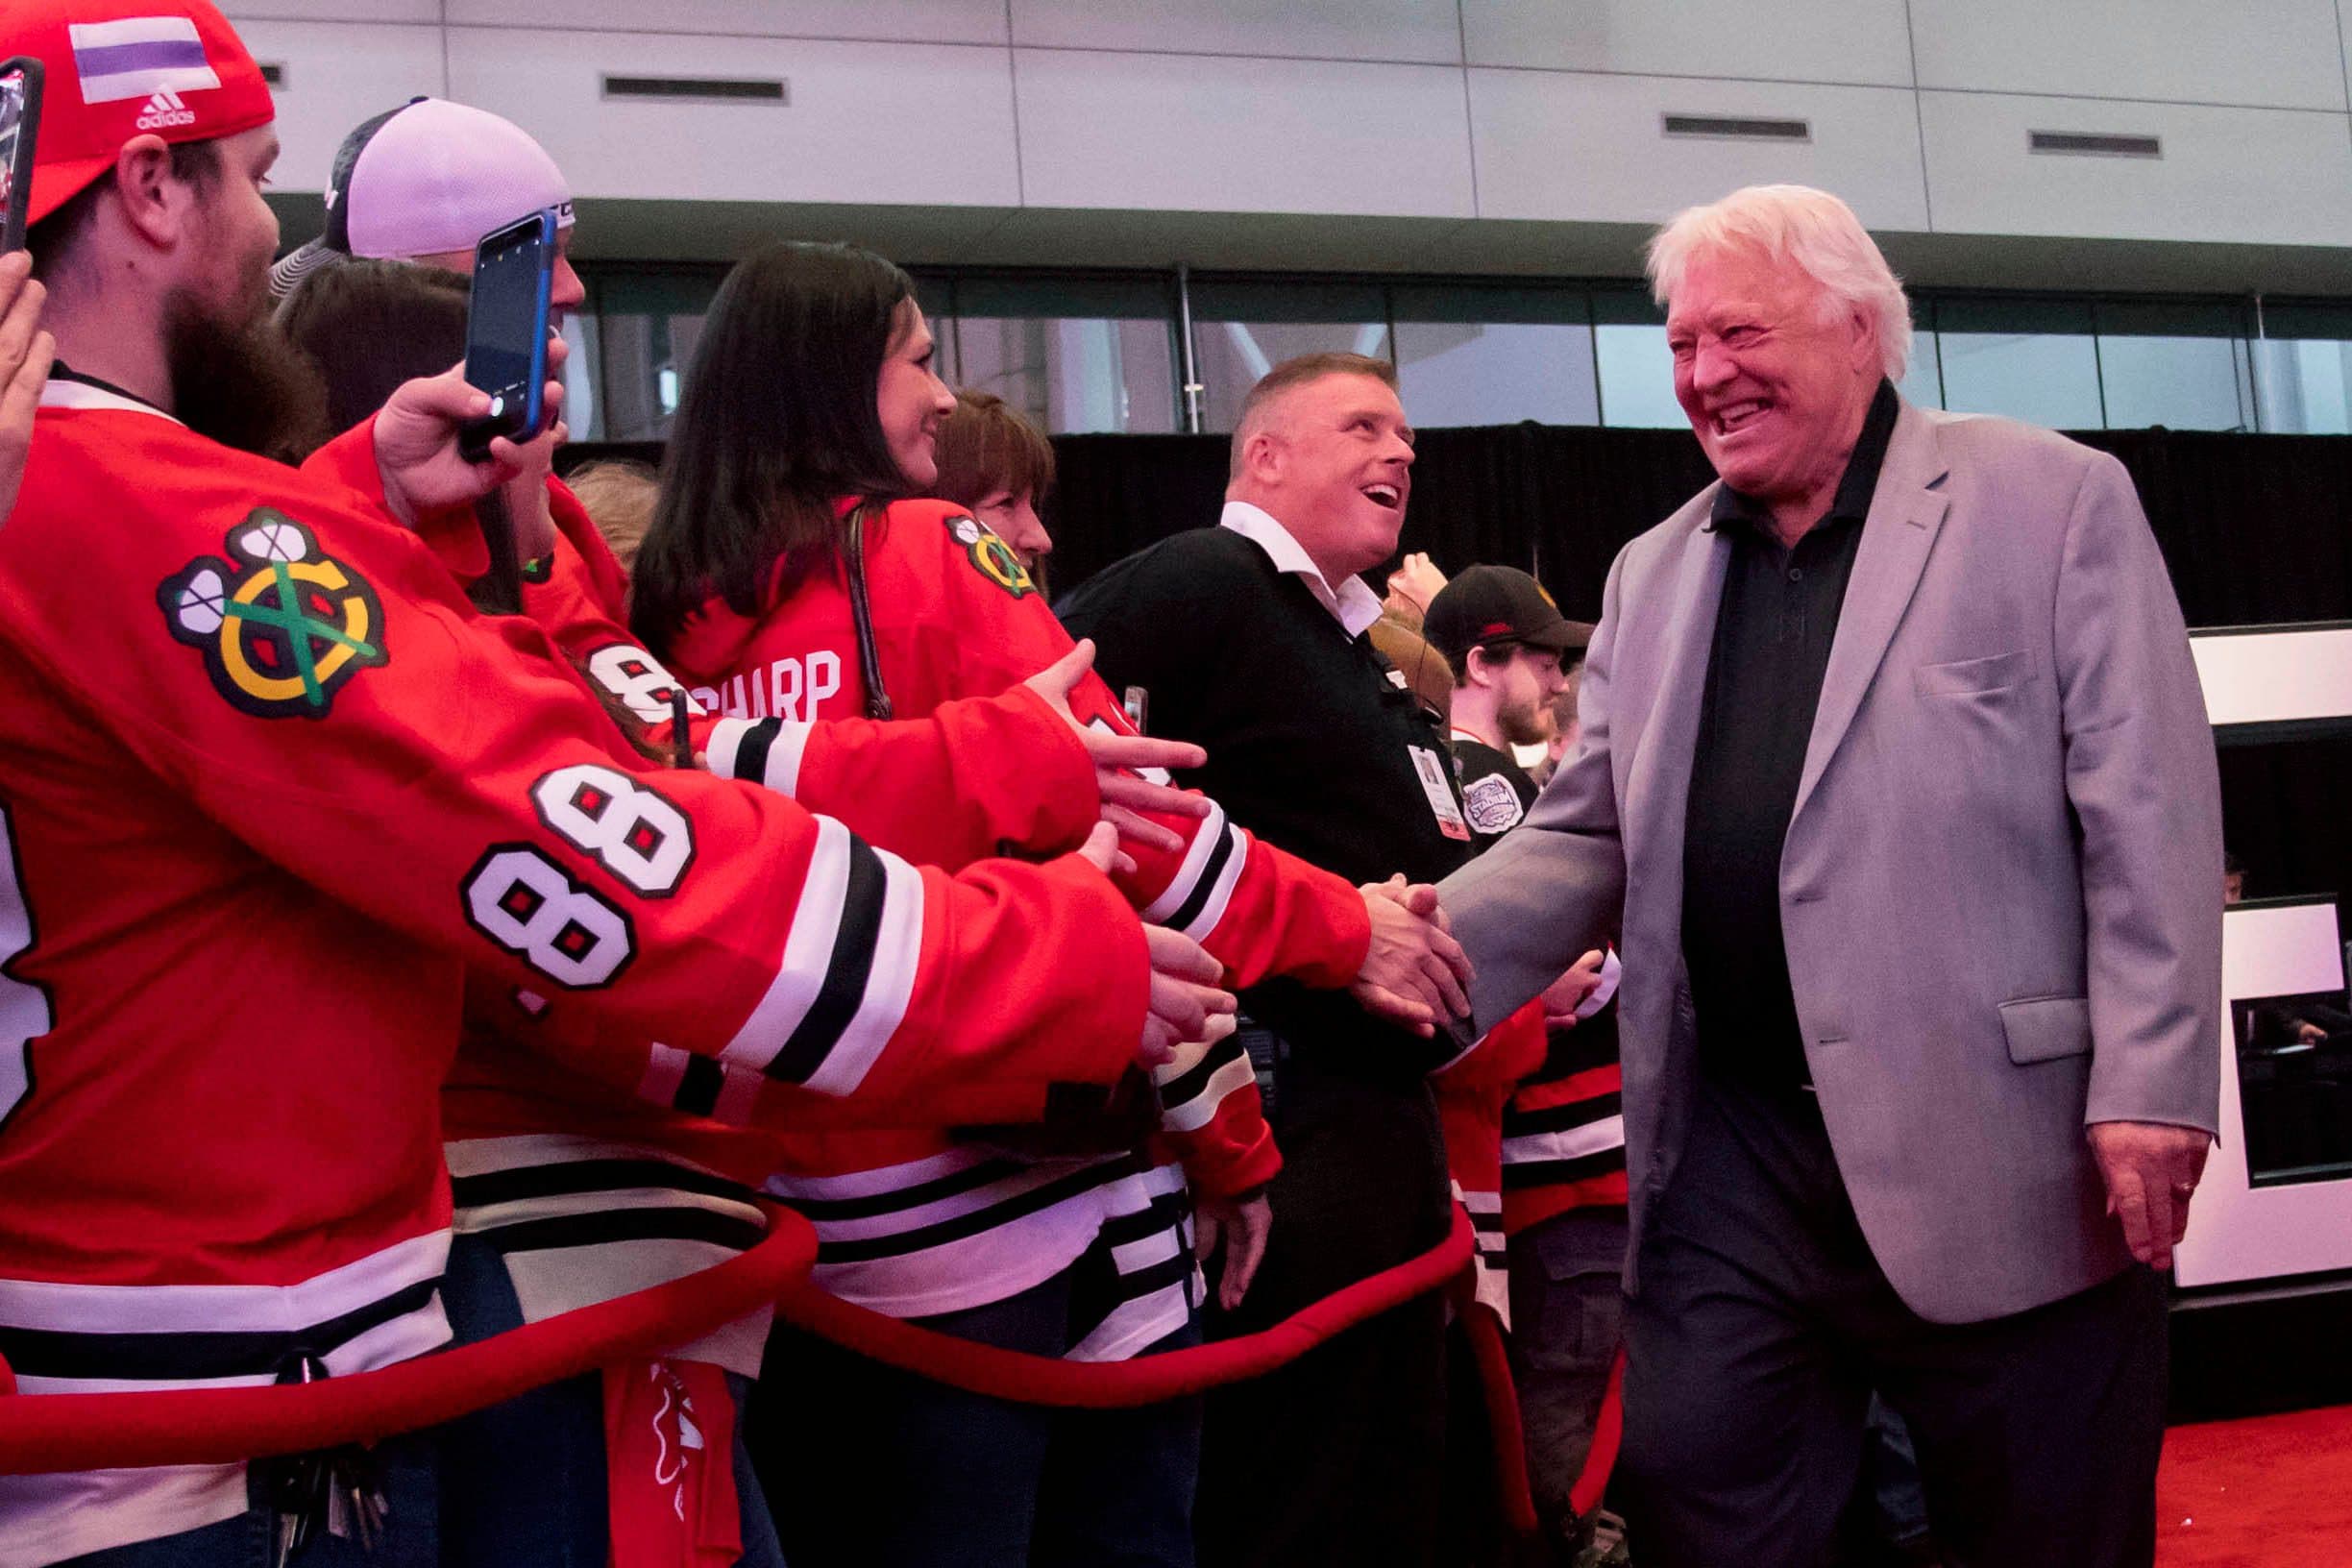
pixel 45 1434
pixel 1609 1432
pixel 1483 1330
pixel 1145 1380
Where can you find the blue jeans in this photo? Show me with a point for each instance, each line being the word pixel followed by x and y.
pixel 406 1474
pixel 523 1483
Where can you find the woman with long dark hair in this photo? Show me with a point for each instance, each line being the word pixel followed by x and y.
pixel 789 572
pixel 569 1190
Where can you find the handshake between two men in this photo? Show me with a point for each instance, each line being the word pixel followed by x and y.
pixel 1413 973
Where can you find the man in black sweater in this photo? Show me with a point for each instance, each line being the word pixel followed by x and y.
pixel 1248 638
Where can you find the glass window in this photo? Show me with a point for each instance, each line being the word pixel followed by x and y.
pixel 583 371
pixel 2181 366
pixel 2030 359
pixel 1923 381
pixel 1075 355
pixel 647 325
pixel 1483 356
pixel 1242 330
pixel 2302 385
pixel 2302 369
pixel 1632 363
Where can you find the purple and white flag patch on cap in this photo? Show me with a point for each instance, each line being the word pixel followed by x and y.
pixel 139 56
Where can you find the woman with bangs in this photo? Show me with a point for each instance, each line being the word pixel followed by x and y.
pixel 791 574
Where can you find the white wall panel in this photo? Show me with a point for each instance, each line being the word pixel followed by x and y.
pixel 1195 134
pixel 333 10
pixel 1403 29
pixel 1556 144
pixel 1789 40
pixel 336 75
pixel 2255 176
pixel 887 21
pixel 2283 53
pixel 869 123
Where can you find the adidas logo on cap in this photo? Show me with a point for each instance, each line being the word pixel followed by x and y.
pixel 164 110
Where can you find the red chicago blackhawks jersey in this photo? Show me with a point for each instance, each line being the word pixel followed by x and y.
pixel 270 787
pixel 590 1191
pixel 916 1222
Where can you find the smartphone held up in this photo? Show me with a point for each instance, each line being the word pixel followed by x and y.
pixel 507 331
pixel 21 100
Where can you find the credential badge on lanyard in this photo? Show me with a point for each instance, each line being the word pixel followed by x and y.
pixel 1438 786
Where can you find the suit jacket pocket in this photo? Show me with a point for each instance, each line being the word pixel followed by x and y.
pixel 1968 678
pixel 2045 1028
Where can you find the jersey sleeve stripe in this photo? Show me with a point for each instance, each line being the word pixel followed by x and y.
pixel 698 1092
pixel 1191 1115
pixel 727 738
pixel 1207 841
pixel 889 982
pixel 848 966
pixel 760 751
pixel 1225 875
pixel 808 952
pixel 1571 1144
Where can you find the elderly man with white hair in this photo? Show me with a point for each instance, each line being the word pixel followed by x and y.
pixel 1896 778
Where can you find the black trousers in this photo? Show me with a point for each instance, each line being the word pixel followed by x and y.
pixel 1762 1326
pixel 1339 1457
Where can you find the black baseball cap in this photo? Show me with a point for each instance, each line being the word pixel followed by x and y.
pixel 1492 604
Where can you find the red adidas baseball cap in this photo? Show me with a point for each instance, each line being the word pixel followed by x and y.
pixel 120 68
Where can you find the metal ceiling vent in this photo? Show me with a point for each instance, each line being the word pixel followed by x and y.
pixel 2093 144
pixel 701 89
pixel 1737 126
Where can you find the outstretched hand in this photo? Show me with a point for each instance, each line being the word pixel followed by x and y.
pixel 1185 993
pixel 1120 759
pixel 1414 973
pixel 1237 1227
pixel 1563 996
pixel 416 442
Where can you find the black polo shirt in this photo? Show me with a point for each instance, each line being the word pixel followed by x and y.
pixel 1773 634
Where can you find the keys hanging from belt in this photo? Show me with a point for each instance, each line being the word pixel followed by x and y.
pixel 337 1490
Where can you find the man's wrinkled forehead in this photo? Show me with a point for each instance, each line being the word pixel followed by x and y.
pixel 1739 278
pixel 1331 401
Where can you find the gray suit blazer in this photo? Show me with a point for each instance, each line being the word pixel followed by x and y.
pixel 2000 890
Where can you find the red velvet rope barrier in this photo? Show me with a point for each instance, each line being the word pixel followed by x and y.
pixel 50 1432
pixel 1513 1493
pixel 1609 1432
pixel 1044 1379
pixel 54 1433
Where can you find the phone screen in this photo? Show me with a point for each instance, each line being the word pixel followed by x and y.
pixel 19 121
pixel 507 323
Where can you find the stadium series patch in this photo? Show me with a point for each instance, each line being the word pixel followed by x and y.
pixel 281 625
pixel 1492 804
pixel 991 556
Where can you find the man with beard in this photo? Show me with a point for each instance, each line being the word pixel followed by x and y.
pixel 1249 639
pixel 1506 642
pixel 271 789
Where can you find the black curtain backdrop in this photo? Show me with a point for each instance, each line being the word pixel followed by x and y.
pixel 2255 528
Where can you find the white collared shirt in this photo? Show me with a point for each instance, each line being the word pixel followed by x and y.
pixel 1353 606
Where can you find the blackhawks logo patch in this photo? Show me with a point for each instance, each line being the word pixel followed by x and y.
pixel 991 556
pixel 281 625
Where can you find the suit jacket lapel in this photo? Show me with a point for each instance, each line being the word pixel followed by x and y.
pixel 1658 786
pixel 1906 511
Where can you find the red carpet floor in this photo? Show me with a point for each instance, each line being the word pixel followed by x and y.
pixel 2269 1493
